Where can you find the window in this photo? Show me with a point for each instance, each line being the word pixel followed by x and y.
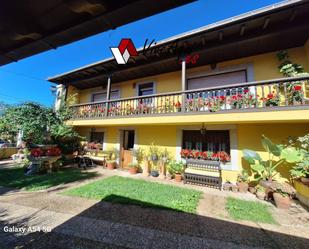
pixel 128 139
pixel 145 89
pixel 97 137
pixel 214 141
pixel 217 80
pixel 97 97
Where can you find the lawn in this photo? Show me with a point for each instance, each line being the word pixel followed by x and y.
pixel 249 210
pixel 14 177
pixel 139 192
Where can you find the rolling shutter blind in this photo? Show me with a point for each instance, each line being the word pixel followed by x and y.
pixel 217 80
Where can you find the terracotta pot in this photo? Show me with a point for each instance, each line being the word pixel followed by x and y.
pixel 283 202
pixel 243 187
pixel 252 190
pixel 178 177
pixel 265 184
pixel 260 195
pixel 133 170
pixel 305 180
pixel 110 166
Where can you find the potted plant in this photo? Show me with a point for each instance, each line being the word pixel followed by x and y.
pixel 177 168
pixel 110 164
pixel 236 101
pixel 234 188
pixel 272 99
pixel 153 153
pixel 139 156
pixel 111 161
pixel 265 171
pixel 133 168
pixel 282 195
pixel 260 192
pixel 301 169
pixel 227 186
pixel 154 172
pixel 178 106
pixel 242 181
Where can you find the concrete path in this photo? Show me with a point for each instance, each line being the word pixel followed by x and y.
pixel 81 223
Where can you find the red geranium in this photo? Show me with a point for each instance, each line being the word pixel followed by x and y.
pixel 185 153
pixel 37 152
pixel 297 88
pixel 223 156
pixel 177 104
pixel 53 152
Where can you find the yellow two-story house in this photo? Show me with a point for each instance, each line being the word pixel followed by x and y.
pixel 216 88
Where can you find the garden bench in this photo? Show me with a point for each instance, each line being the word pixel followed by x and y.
pixel 203 172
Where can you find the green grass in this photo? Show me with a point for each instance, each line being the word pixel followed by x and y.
pixel 14 177
pixel 249 210
pixel 139 192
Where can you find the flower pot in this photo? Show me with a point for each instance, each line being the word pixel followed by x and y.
pixel 154 173
pixel 110 166
pixel 154 158
pixel 265 184
pixel 242 187
pixel 252 190
pixel 282 202
pixel 133 170
pixel 234 188
pixel 227 186
pixel 178 177
pixel 305 180
pixel 260 195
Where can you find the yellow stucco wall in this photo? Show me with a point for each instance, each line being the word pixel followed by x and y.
pixel 265 66
pixel 248 137
pixel 7 152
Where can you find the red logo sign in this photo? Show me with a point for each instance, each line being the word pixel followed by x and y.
pixel 124 50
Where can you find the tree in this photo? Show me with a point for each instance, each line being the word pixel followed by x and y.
pixel 34 119
pixel 39 124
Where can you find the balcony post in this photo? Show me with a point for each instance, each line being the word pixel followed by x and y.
pixel 183 82
pixel 108 93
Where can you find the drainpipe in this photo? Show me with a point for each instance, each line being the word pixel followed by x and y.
pixel 108 93
pixel 183 82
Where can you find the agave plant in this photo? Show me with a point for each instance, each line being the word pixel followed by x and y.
pixel 277 154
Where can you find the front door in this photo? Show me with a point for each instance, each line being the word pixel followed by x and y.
pixel 127 148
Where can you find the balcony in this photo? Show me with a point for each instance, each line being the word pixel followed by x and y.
pixel 278 94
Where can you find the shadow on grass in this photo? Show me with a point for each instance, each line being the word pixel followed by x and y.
pixel 109 225
pixel 14 177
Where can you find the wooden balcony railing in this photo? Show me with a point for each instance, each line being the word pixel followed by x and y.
pixel 250 95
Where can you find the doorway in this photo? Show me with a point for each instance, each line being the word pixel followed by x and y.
pixel 127 148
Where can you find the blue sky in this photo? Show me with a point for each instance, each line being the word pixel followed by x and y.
pixel 26 79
